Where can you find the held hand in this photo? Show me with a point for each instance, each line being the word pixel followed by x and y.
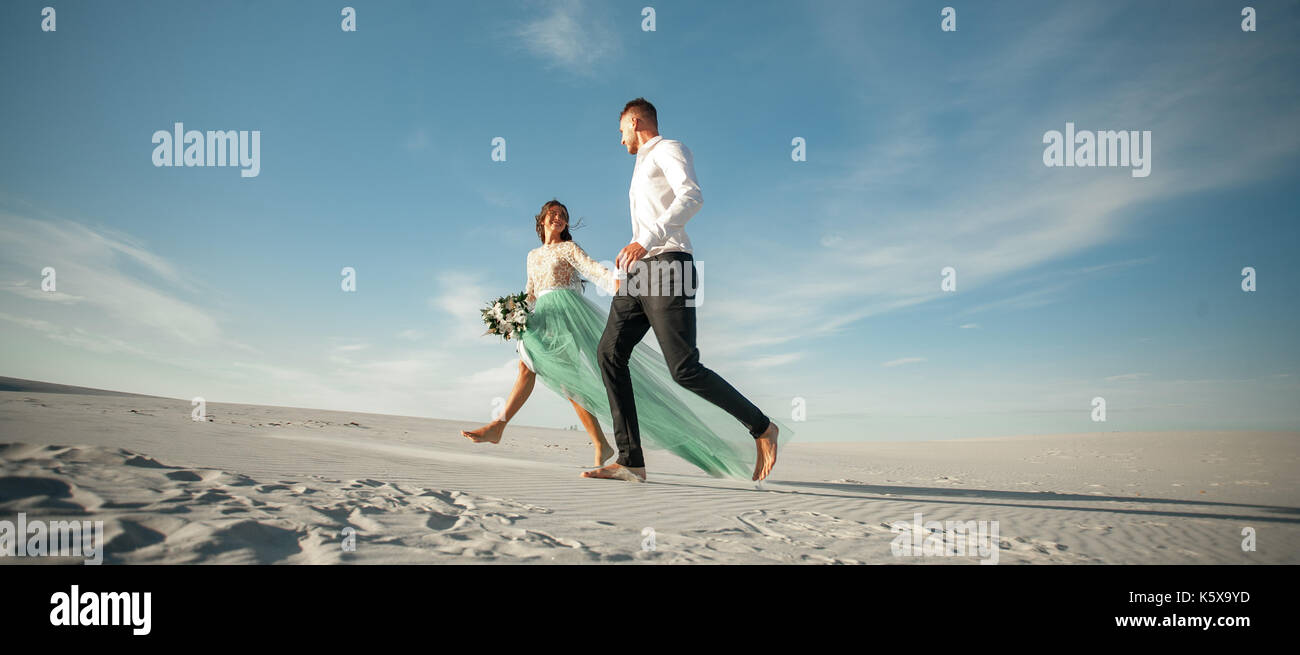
pixel 630 254
pixel 617 283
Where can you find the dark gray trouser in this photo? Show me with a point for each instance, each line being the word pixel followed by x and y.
pixel 661 305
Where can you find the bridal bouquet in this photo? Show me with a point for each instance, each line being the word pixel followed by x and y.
pixel 507 316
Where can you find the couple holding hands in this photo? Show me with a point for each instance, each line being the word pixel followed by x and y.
pixel 599 363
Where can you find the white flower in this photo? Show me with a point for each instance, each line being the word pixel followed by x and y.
pixel 507 316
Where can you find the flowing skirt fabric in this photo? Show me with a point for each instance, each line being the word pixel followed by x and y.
pixel 560 344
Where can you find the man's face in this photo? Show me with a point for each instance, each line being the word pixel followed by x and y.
pixel 627 128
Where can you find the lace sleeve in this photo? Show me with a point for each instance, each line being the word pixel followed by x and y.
pixel 529 291
pixel 588 267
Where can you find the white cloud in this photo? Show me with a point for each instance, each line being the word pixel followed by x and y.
pixel 76 337
pixel 772 361
pixel 902 361
pixel 1001 215
pixel 460 297
pixel 496 379
pixel 570 37
pixel 22 289
pixel 1026 300
pixel 1127 377
pixel 110 273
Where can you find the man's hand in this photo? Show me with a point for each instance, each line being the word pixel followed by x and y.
pixel 629 255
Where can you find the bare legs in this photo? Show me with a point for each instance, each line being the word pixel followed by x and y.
pixel 491 433
pixel 604 451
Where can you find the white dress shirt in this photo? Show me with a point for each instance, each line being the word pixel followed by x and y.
pixel 663 196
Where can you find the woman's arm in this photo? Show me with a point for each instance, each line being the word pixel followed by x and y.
pixel 590 268
pixel 528 288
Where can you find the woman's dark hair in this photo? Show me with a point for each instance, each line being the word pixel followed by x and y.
pixel 556 205
pixel 546 210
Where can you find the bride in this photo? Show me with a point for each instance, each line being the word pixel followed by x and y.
pixel 559 347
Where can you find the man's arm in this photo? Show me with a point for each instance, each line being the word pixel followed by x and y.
pixel 675 161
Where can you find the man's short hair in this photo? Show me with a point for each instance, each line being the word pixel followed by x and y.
pixel 641 108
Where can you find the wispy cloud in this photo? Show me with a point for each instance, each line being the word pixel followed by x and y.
pixel 33 293
pixel 571 36
pixel 496 379
pixel 109 273
pixel 1001 217
pixel 772 361
pixel 1127 377
pixel 460 296
pixel 901 361
pixel 1025 300
pixel 77 337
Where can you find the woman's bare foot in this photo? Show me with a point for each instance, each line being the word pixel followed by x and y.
pixel 766 444
pixel 490 433
pixel 603 453
pixel 617 472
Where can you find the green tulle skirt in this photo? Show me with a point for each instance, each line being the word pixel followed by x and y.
pixel 560 347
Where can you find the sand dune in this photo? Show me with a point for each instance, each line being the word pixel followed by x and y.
pixel 257 484
pixel 36 386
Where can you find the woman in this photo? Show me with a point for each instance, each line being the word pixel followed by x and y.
pixel 560 345
pixel 551 268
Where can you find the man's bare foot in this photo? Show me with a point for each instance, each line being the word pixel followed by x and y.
pixel 490 433
pixel 617 472
pixel 603 453
pixel 766 444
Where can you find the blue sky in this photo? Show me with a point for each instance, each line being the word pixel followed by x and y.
pixel 924 150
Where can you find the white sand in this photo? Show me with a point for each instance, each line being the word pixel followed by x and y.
pixel 261 484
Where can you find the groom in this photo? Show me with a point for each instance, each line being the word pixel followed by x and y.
pixel 664 195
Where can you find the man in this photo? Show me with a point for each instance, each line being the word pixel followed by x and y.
pixel 664 195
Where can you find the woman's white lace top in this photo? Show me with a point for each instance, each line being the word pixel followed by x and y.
pixel 558 266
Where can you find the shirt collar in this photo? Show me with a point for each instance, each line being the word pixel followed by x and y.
pixel 645 147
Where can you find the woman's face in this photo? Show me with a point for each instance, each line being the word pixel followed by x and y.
pixel 554 224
